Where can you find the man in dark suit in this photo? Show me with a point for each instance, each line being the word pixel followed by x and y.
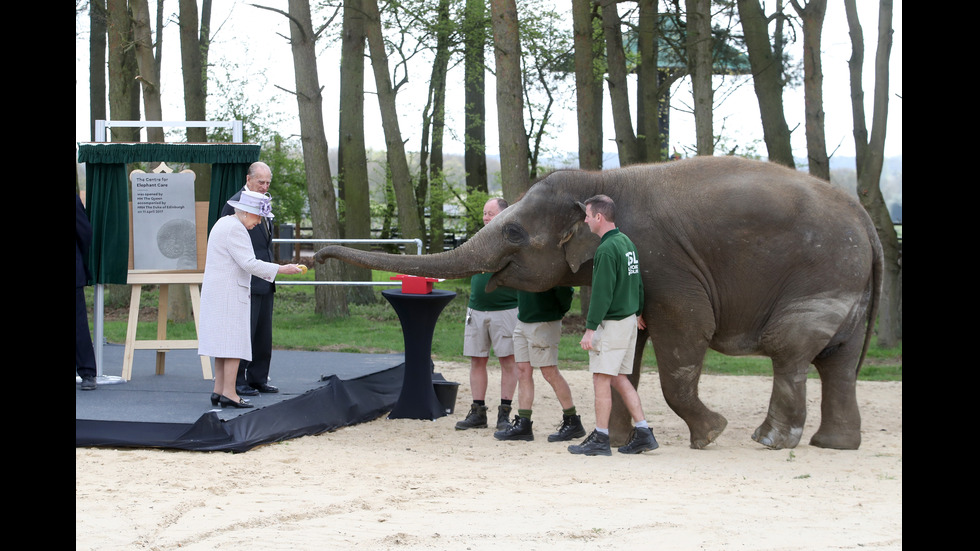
pixel 253 376
pixel 84 352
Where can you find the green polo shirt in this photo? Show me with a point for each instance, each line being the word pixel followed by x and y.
pixel 547 305
pixel 502 298
pixel 617 289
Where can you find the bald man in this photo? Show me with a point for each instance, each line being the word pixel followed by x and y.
pixel 490 321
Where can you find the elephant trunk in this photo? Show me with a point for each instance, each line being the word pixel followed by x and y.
pixel 457 263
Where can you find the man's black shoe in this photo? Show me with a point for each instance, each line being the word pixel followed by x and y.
pixel 246 391
pixel 596 444
pixel 503 416
pixel 520 430
pixel 641 440
pixel 265 388
pixel 570 428
pixel 88 383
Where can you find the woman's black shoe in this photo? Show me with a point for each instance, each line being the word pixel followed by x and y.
pixel 228 402
pixel 215 398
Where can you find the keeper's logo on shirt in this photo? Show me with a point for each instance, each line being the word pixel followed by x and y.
pixel 632 263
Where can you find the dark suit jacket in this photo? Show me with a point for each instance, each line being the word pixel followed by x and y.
pixel 261 236
pixel 83 241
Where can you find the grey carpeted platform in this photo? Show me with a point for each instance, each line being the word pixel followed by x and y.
pixel 318 391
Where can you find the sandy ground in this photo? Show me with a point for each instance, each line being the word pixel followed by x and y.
pixel 408 485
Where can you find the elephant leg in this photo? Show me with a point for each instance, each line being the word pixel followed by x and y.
pixel 840 419
pixel 783 425
pixel 825 332
pixel 680 373
pixel 620 422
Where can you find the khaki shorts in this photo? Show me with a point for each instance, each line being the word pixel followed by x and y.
pixel 614 347
pixel 537 343
pixel 489 329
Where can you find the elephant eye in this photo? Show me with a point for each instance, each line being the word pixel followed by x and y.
pixel 515 234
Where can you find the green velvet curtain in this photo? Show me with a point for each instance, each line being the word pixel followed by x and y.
pixel 107 191
pixel 226 180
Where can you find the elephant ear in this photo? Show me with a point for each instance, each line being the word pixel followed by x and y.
pixel 579 244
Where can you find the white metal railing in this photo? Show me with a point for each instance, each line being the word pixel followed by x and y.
pixel 416 241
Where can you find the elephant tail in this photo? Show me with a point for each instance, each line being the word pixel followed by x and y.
pixel 877 271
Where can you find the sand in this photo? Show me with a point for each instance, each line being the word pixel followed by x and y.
pixel 409 485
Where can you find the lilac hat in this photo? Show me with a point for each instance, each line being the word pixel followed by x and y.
pixel 255 203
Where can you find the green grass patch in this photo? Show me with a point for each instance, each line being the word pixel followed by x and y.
pixel 375 329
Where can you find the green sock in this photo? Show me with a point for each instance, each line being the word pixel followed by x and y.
pixel 526 413
pixel 570 412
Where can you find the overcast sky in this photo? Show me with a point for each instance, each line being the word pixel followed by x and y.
pixel 249 39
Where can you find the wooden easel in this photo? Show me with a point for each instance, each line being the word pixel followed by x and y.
pixel 137 279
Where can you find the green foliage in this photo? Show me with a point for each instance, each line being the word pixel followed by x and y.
pixel 472 214
pixel 288 188
pixel 547 52
pixel 238 101
pixel 229 99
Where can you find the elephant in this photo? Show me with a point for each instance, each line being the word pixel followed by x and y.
pixel 741 256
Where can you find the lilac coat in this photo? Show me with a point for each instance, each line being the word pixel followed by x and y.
pixel 224 328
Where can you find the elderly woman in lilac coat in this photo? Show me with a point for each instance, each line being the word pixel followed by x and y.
pixel 224 332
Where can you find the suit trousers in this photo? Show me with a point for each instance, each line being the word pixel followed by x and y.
pixel 256 372
pixel 84 352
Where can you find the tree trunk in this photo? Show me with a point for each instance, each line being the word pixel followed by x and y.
pixel 474 69
pixel 699 62
pixel 123 100
pixel 352 174
pixel 437 193
pixel 193 59
pixel 97 63
pixel 588 90
pixel 588 85
pixel 194 46
pixel 331 300
pixel 648 84
pixel 475 115
pixel 816 141
pixel 123 94
pixel 626 142
pixel 870 157
pixel 767 77
pixel 149 74
pixel 514 174
pixel 408 213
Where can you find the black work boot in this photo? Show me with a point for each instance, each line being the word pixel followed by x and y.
pixel 475 419
pixel 503 416
pixel 570 427
pixel 520 430
pixel 596 444
pixel 641 440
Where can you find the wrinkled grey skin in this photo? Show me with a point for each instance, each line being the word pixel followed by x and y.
pixel 743 257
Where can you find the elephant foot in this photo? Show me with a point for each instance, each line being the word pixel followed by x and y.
pixel 714 424
pixel 837 440
pixel 777 439
pixel 620 427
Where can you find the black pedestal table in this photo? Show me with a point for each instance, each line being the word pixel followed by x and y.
pixel 418 314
